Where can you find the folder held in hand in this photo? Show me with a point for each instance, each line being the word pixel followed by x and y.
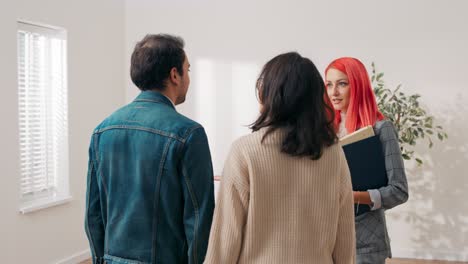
pixel 366 161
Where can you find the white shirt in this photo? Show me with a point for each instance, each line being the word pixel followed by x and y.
pixel 342 131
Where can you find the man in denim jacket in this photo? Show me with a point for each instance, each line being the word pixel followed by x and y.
pixel 150 194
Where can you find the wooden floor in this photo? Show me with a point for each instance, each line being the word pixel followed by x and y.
pixel 392 261
pixel 414 261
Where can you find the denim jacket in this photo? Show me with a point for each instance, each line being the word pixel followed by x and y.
pixel 150 195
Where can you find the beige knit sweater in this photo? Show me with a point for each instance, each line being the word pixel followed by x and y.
pixel 275 208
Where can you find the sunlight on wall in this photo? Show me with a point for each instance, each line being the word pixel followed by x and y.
pixel 245 104
pixel 224 103
pixel 204 97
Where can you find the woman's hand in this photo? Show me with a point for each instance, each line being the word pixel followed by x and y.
pixel 362 198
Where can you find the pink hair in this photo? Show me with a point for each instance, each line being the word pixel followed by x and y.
pixel 362 109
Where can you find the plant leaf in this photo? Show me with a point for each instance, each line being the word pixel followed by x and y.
pixel 440 136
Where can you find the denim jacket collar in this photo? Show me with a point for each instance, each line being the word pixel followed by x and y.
pixel 155 97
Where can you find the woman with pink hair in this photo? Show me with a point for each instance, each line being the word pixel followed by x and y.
pixel 349 91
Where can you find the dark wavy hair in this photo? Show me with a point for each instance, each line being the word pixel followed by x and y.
pixel 291 92
pixel 153 58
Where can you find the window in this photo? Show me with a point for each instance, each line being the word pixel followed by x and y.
pixel 43 116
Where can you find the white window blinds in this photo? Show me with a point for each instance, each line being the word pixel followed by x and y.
pixel 43 117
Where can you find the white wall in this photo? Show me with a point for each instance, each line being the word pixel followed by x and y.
pixel 420 43
pixel 96 87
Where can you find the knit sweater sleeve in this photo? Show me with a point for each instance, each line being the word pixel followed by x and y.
pixel 231 210
pixel 345 249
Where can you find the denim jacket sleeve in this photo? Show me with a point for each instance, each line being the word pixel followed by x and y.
pixel 94 224
pixel 198 191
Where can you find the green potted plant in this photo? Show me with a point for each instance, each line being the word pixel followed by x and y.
pixel 411 121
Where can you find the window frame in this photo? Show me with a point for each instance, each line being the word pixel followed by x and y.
pixel 54 95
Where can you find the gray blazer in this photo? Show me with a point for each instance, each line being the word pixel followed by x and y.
pixel 372 239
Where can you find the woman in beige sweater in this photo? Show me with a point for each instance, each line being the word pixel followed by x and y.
pixel 285 194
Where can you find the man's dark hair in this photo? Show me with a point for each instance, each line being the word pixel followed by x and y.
pixel 153 58
pixel 291 92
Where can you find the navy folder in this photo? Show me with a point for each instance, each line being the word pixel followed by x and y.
pixel 366 163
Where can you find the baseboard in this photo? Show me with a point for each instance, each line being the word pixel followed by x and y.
pixel 430 254
pixel 76 258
